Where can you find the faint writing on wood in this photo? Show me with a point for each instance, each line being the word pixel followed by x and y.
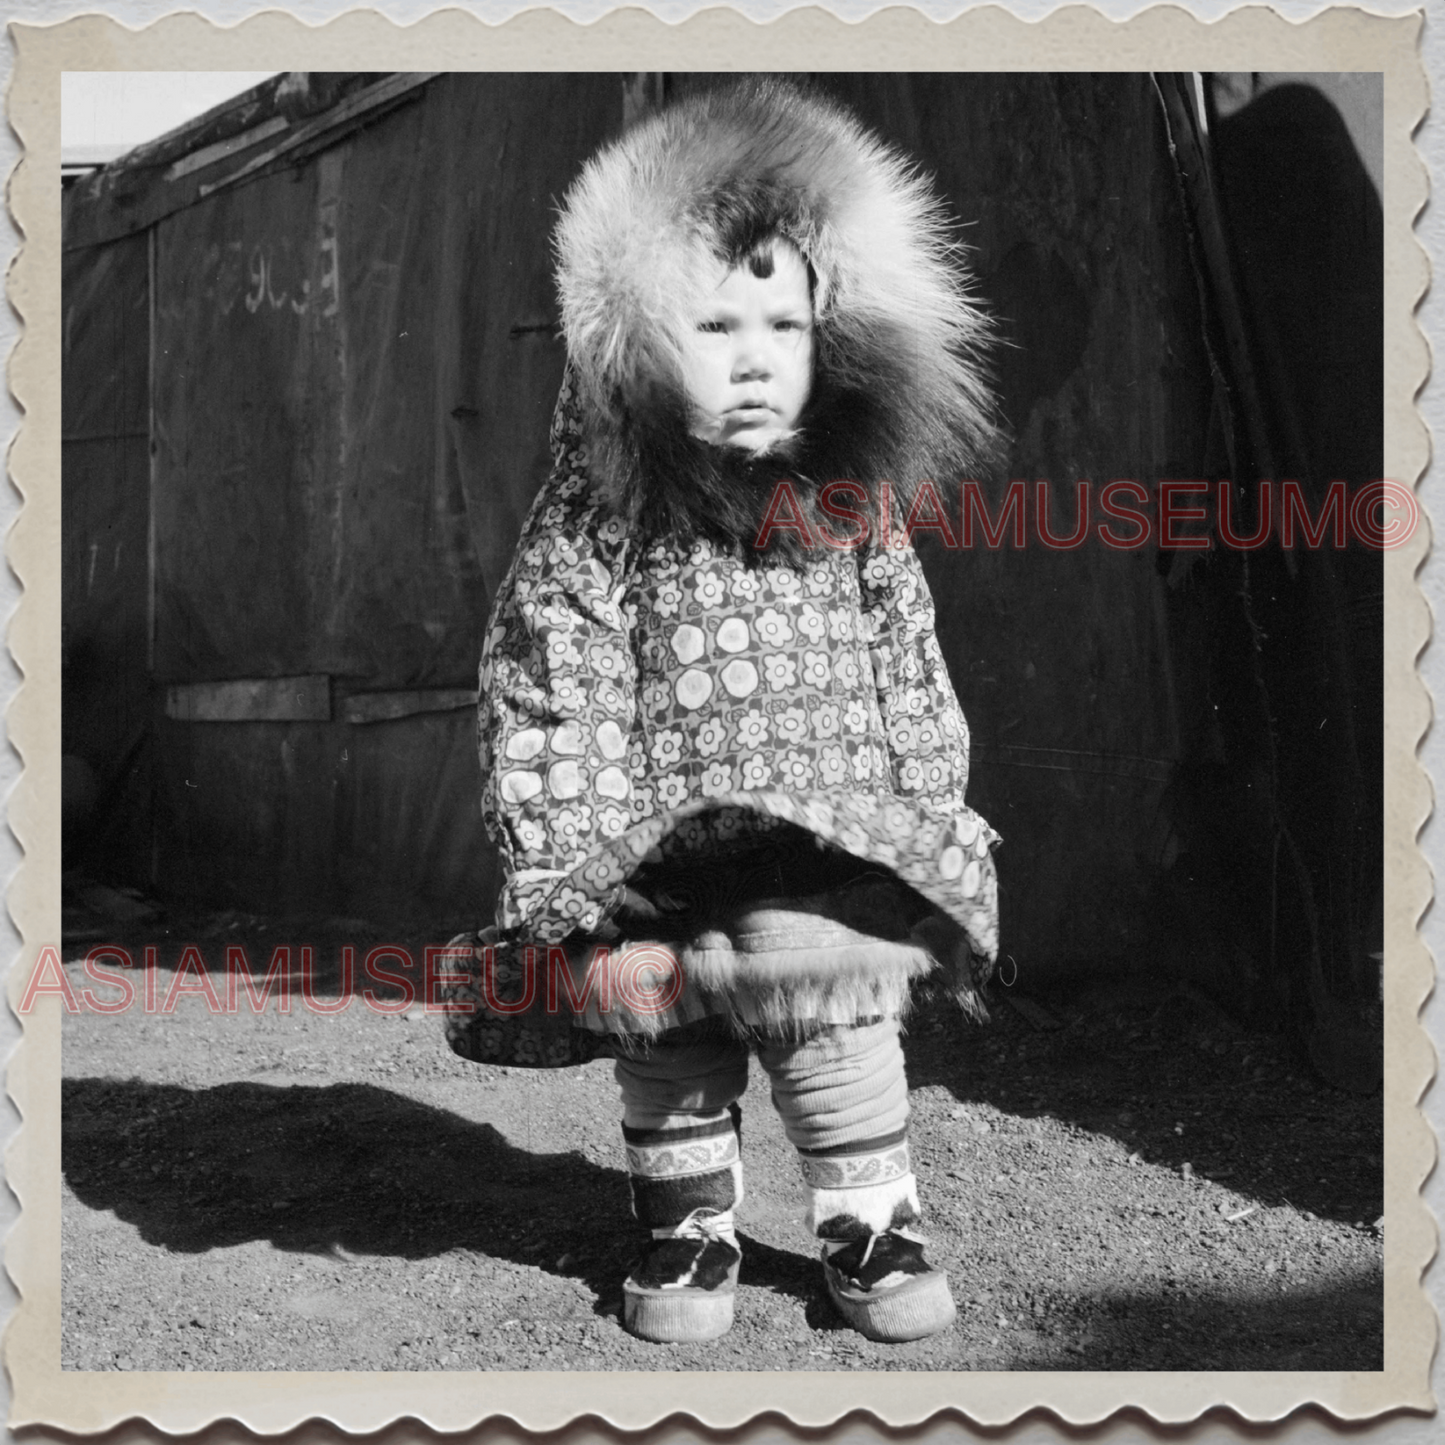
pixel 263 290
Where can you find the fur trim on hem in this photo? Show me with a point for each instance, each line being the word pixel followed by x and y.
pixel 776 1008
pixel 773 965
pixel 789 966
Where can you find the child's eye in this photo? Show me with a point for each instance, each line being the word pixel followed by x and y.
pixel 712 326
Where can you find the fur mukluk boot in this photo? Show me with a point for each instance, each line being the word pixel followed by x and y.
pixel 864 1207
pixel 686 1183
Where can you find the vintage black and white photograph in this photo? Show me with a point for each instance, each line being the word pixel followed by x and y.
pixel 724 722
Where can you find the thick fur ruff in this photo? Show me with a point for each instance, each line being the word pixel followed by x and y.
pixel 898 393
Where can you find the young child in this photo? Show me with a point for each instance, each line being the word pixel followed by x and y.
pixel 750 755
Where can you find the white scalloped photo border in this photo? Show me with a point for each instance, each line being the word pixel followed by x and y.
pixel 1076 37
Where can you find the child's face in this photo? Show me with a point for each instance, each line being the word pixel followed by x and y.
pixel 748 361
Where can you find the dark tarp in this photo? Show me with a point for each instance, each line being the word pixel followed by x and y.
pixel 355 365
pixel 1308 240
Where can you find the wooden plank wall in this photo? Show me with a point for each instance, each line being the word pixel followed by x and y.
pixel 104 563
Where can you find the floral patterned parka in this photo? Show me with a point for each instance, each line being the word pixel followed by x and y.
pixel 649 702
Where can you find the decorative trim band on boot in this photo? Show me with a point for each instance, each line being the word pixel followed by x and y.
pixel 686 1182
pixel 879 1161
pixel 866 1190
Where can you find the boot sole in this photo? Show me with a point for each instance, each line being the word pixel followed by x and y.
pixel 911 1311
pixel 677 1316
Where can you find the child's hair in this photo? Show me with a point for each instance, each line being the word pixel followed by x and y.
pixel 758 258
pixel 747 224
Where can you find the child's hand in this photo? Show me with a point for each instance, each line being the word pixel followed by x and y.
pixel 942 937
pixel 638 913
pixel 948 943
pixel 636 907
pixel 633 914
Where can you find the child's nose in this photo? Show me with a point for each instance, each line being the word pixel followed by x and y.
pixel 751 362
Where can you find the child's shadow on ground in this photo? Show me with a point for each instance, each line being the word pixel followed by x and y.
pixel 347 1167
pixel 785 1272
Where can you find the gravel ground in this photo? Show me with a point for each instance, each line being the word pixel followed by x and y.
pixel 1144 1187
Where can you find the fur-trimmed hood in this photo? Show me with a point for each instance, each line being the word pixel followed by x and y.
pixel 899 392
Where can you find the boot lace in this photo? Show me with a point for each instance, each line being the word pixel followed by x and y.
pixel 703 1224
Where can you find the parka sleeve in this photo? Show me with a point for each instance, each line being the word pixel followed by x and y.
pixel 926 731
pixel 557 698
